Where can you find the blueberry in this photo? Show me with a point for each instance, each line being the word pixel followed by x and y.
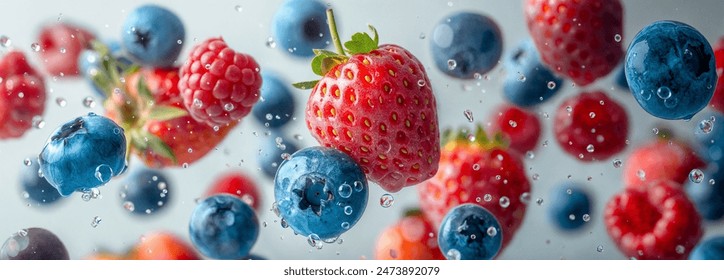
pixel 709 136
pixel 276 106
pixel 84 153
pixel 300 26
pixel 465 44
pixel 33 244
pixel 709 249
pixel 470 232
pixel 621 77
pixel 223 227
pixel 36 187
pixel 708 195
pixel 570 206
pixel 272 151
pixel 145 191
pixel 670 70
pixel 528 82
pixel 153 35
pixel 320 192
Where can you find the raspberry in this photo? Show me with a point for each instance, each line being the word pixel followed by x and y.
pixel 218 84
pixel 22 95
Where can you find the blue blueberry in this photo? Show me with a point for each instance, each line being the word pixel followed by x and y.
pixel 36 187
pixel 709 249
pixel 153 36
pixel 145 191
pixel 470 232
pixel 300 26
pixel 276 106
pixel 528 81
pixel 33 244
pixel 570 206
pixel 223 227
pixel 670 70
pixel 320 192
pixel 272 150
pixel 709 136
pixel 465 44
pixel 708 195
pixel 84 153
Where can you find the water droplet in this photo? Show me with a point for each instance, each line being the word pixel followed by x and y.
pixel 185 165
pixel 641 174
pixel 504 201
pixel 345 225
pixel 89 102
pixel 680 249
pixel 706 126
pixel 228 107
pixel 421 83
pixel 103 173
pixel 696 175
pixel 348 210
pixel 468 115
pixel 358 186
pixel 238 8
pixel 645 94
pixel 35 47
pixel 38 122
pixel 345 190
pixel 270 43
pixel 129 206
pixel 592 115
pixel 617 38
pixel 487 197
pixel 569 109
pixel 383 146
pixel 451 64
pixel 586 218
pixel 5 41
pixel 572 217
pixel 453 254
pixel 599 248
pixel 61 101
pixel 315 241
pixel 535 176
pixel 269 117
pixel 525 198
pixel 617 163
pixel 671 103
pixel 521 78
pixel 539 201
pixel 590 148
pixel 551 85
pixel 512 123
pixel 387 200
pixel 96 221
pixel 712 181
pixel 197 103
pixel 422 36
pixel 284 223
pixel 492 231
pixel 27 162
pixel 476 167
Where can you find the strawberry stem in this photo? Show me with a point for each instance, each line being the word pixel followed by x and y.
pixel 333 31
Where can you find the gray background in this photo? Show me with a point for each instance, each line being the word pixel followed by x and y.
pixel 400 22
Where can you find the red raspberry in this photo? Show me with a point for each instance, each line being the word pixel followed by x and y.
pixel 219 85
pixel 60 47
pixel 578 39
pixel 590 126
pixel 519 127
pixel 653 221
pixel 410 238
pixel 660 159
pixel 22 95
pixel 238 184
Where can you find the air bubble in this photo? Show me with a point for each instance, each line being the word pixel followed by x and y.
pixel 96 221
pixel 712 181
pixel 453 254
pixel 421 83
pixel 590 148
pixel 468 115
pixel 487 197
pixel 706 126
pixel 348 210
pixel 345 190
pixel 35 47
pixel 586 218
pixel 270 43
pixel 5 41
pixel 504 201
pixel 238 8
pixel 592 115
pixel 345 225
pixel 617 38
pixel 27 162
pixel 61 101
pixel 641 174
pixel 228 107
pixel 387 200
pixel 680 249
pixel 525 198
pixel 599 248
pixel 197 103
pixel 551 85
pixel 89 102
pixel 476 167
pixel 530 154
pixel 38 122
pixel 62 50
pixel 696 176
pixel 492 231
pixel 451 64
pixel 103 173
pixel 129 206
pixel 617 163
pixel 535 177
pixel 539 201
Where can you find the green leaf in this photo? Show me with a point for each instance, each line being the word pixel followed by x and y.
pixel 325 52
pixel 305 85
pixel 325 61
pixel 164 113
pixel 143 90
pixel 138 142
pixel 330 62
pixel 159 147
pixel 362 42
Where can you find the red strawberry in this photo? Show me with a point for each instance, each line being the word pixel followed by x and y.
pixel 60 46
pixel 655 220
pixel 478 172
pixel 377 106
pixel 187 139
pixel 660 159
pixel 162 246
pixel 717 102
pixel 411 238
pixel 238 184
pixel 591 126
pixel 520 128
pixel 219 85
pixel 22 95
pixel 577 39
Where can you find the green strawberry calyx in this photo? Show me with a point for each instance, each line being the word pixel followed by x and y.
pixel 464 136
pixel 324 60
pixel 132 111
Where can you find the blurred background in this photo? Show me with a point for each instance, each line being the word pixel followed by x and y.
pixel 246 27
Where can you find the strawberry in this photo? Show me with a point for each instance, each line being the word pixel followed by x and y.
pixel 654 220
pixel 162 246
pixel 521 128
pixel 577 39
pixel 591 126
pixel 238 184
pixel 60 45
pixel 219 85
pixel 377 106
pixel 411 238
pixel 717 101
pixel 22 95
pixel 660 159
pixel 481 172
